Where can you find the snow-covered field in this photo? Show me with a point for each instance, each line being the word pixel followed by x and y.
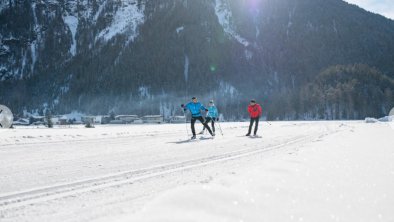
pixel 298 171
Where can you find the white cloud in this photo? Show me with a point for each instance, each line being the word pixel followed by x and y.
pixel 383 7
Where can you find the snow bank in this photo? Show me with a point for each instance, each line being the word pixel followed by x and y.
pixel 371 120
pixel 387 119
pixel 383 119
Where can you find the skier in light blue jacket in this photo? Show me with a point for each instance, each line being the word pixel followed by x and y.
pixel 212 115
pixel 195 109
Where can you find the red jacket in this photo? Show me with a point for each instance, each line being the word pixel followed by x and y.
pixel 255 110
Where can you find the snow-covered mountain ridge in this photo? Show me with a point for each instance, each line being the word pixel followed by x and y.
pixel 95 55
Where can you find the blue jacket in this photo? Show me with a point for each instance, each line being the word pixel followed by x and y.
pixel 195 108
pixel 212 112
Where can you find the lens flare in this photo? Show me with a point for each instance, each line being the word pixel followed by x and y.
pixel 6 117
pixel 253 7
pixel 253 3
pixel 212 68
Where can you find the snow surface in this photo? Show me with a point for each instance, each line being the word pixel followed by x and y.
pixel 180 29
pixel 228 89
pixel 72 23
pixel 99 11
pixel 3 5
pixel 225 15
pixel 298 171
pixel 186 68
pixel 35 43
pixel 126 20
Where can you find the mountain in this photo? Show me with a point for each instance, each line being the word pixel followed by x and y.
pixel 146 57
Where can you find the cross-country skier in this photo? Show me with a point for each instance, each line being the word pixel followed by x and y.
pixel 255 112
pixel 195 109
pixel 212 115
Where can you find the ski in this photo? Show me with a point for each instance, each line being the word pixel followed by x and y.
pixel 206 138
pixel 255 136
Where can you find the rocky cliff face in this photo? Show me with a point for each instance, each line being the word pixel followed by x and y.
pixel 147 56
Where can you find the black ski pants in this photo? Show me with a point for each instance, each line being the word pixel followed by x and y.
pixel 199 118
pixel 252 120
pixel 209 119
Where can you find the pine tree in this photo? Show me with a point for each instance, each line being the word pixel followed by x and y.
pixel 48 117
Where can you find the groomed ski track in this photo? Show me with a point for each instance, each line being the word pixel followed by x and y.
pixel 42 194
pixel 113 168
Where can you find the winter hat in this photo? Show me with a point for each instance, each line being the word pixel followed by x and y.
pixel 193 98
pixel 253 101
pixel 211 101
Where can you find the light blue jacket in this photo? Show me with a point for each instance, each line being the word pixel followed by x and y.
pixel 212 112
pixel 195 108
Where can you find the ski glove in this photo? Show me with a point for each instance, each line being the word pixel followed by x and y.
pixel 182 105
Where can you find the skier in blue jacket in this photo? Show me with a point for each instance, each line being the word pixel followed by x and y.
pixel 212 115
pixel 195 109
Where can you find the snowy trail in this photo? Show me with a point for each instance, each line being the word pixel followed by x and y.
pixel 42 177
pixel 346 176
pixel 67 162
pixel 57 191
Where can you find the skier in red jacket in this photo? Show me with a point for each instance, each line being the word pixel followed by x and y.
pixel 255 112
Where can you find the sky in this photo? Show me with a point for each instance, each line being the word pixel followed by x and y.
pixel 383 7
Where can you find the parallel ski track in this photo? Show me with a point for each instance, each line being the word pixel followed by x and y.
pixel 43 194
pixel 88 140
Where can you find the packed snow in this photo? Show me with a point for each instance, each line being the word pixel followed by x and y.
pixel 297 171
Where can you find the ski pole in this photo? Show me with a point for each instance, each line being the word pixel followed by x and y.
pixel 220 128
pixel 187 130
pixel 268 123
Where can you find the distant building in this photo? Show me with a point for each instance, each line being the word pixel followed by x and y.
pixel 138 121
pixel 117 121
pixel 98 120
pixel 21 122
pixel 88 119
pixel 153 119
pixel 124 119
pixel 55 120
pixel 63 120
pixel 127 118
pixel 105 119
pixel 177 119
pixel 37 120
